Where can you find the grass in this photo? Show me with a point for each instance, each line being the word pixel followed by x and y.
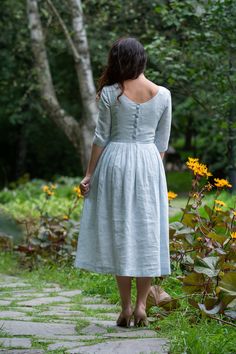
pixel 205 337
pixel 186 330
pixel 36 344
pixel 80 324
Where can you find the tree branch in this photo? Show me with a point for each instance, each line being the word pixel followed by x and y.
pixel 76 55
pixel 65 122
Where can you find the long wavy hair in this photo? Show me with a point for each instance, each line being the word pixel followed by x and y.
pixel 127 59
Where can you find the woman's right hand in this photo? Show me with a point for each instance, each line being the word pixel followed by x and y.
pixel 85 185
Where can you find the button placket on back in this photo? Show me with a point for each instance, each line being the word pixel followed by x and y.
pixel 136 115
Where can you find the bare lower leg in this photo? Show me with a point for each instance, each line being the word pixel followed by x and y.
pixel 143 285
pixel 124 285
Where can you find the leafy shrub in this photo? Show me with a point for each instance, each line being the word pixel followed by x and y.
pixel 204 247
pixel 50 239
pixel 24 200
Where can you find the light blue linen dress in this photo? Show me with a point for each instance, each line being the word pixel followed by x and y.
pixel 124 225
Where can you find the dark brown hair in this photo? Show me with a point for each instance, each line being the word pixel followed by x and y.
pixel 126 60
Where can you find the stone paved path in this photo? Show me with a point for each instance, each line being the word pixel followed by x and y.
pixel 56 320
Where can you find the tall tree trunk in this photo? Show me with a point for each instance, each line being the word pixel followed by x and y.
pixel 84 71
pixel 83 64
pixel 80 132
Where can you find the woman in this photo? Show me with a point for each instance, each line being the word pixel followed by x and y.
pixel 124 226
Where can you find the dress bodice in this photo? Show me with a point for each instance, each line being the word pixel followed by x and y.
pixel 129 121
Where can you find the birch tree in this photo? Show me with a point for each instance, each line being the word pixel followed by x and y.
pixel 78 131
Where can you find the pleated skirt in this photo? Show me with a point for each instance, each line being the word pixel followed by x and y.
pixel 124 224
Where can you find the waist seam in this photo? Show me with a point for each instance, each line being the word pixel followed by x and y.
pixel 131 141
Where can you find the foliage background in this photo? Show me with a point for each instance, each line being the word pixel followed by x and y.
pixel 191 50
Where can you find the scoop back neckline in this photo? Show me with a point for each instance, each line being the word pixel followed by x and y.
pixel 140 103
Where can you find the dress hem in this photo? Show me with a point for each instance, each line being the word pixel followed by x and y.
pixel 108 270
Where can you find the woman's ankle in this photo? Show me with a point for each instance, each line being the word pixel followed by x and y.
pixel 126 308
pixel 140 306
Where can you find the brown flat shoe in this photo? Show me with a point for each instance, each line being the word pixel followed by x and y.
pixel 141 320
pixel 124 321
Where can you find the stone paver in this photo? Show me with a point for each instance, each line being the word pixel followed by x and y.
pixel 63 323
pixel 99 306
pixel 36 328
pixel 16 342
pixel 70 293
pixel 59 307
pixel 4 302
pixel 92 300
pixel 126 346
pixel 61 345
pixel 14 285
pixel 93 329
pixel 10 278
pixel 63 313
pixel 22 351
pixel 111 315
pixel 22 308
pixel 13 314
pixel 18 295
pixel 105 323
pixel 44 301
pixel 60 338
pixel 138 333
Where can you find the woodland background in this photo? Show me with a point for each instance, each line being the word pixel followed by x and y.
pixel 191 50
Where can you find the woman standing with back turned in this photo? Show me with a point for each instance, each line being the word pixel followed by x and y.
pixel 124 226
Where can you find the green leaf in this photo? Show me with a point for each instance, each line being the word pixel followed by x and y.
pixel 193 282
pixel 228 284
pixel 219 238
pixel 176 225
pixel 208 210
pixel 207 266
pixel 189 219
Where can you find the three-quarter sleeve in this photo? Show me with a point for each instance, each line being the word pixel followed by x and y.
pixel 103 124
pixel 162 134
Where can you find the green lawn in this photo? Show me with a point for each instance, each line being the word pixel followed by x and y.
pixel 186 329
